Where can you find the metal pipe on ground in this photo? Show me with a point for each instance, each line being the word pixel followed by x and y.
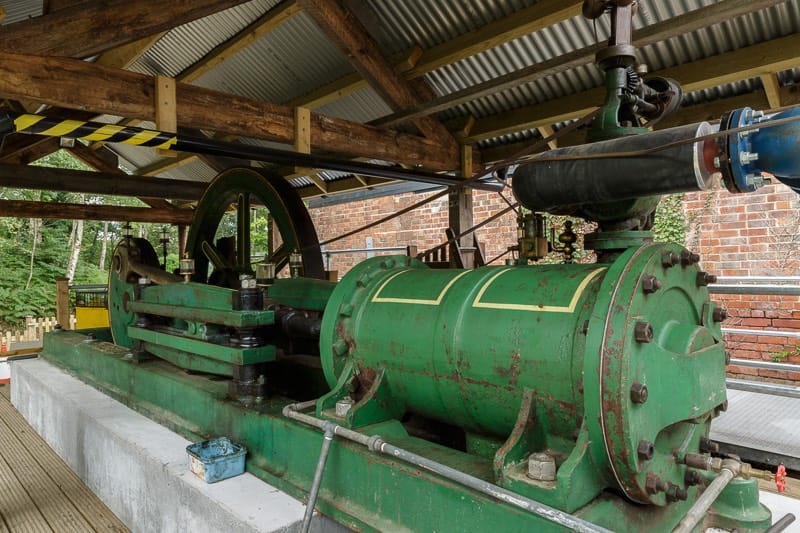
pixel 772 289
pixel 764 388
pixel 314 492
pixel 781 524
pixel 376 444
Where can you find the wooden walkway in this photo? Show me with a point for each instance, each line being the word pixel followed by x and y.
pixel 38 491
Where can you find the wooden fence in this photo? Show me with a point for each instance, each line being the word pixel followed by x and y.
pixel 35 328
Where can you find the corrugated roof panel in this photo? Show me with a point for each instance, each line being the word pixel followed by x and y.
pixel 360 106
pixel 19 10
pixel 187 44
pixel 286 63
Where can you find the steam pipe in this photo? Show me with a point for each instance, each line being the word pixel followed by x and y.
pixel 377 444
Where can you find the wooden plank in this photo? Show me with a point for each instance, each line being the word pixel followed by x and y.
pixel 772 88
pixel 255 31
pixel 744 63
pixel 17 510
pixel 64 211
pixel 24 149
pixel 352 39
pixel 527 20
pixel 125 55
pixel 166 109
pixel 48 497
pixel 90 506
pixel 56 179
pixel 692 21
pixel 546 131
pixel 94 27
pixel 101 90
pixel 62 302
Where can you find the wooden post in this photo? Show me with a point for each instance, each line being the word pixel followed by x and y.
pixel 460 213
pixel 62 302
pixel 166 109
pixel 181 240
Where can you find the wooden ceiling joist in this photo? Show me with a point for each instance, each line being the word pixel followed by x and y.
pixel 91 28
pixel 692 21
pixel 52 210
pixel 744 63
pixel 351 38
pixel 529 20
pixel 70 83
pixel 80 181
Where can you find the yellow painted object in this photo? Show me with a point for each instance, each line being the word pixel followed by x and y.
pixel 91 317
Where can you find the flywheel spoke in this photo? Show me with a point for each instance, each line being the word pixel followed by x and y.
pixel 243 232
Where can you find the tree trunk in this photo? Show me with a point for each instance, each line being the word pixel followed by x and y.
pixel 76 249
pixel 36 230
pixel 103 247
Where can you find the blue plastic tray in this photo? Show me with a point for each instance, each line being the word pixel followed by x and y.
pixel 216 459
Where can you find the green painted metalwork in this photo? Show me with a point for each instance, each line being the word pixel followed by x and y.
pixel 236 319
pixel 360 489
pixel 301 293
pixel 122 283
pixel 218 352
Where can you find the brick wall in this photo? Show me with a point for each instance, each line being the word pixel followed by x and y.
pixel 736 235
pixel 752 235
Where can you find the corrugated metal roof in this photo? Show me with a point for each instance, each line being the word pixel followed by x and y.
pixel 19 10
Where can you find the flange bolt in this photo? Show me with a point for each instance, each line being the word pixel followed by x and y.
pixel 675 493
pixel 542 467
pixel 638 392
pixel 719 314
pixel 670 259
pixel 689 258
pixel 650 284
pixel 692 477
pixel 645 450
pixel 704 278
pixel 708 446
pixel 653 484
pixel 643 332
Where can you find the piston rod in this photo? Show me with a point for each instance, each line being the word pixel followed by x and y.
pixel 376 444
pixel 97 131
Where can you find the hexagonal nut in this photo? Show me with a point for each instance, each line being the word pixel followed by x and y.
pixel 643 332
pixel 343 406
pixel 653 484
pixel 542 467
pixel 650 284
pixel 704 278
pixel 689 258
pixel 638 392
pixel 670 259
pixel 719 314
pixel 645 450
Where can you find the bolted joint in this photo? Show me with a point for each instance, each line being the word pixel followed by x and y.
pixel 653 484
pixel 692 477
pixel 689 258
pixel 675 493
pixel 704 278
pixel 727 358
pixel 708 446
pixel 542 467
pixel 638 392
pixel 719 314
pixel 643 332
pixel 670 259
pixel 645 450
pixel 650 284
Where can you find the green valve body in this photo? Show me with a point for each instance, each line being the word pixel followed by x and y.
pixel 605 353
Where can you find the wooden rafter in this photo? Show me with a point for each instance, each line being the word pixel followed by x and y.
pixel 22 209
pixel 692 21
pixel 352 39
pixel 744 63
pixel 91 28
pixel 772 88
pixel 76 84
pixel 531 19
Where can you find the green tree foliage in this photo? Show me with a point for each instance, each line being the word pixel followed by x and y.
pixel 670 221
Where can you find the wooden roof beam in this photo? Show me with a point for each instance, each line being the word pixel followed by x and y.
pixel 689 22
pixel 744 63
pixel 90 28
pixel 105 183
pixel 525 21
pixel 352 39
pixel 52 210
pixel 101 90
pixel 255 31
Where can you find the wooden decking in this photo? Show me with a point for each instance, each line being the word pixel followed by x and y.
pixel 38 491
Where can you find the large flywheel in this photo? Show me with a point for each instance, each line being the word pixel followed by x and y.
pixel 220 259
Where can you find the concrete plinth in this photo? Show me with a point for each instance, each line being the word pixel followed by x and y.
pixel 139 468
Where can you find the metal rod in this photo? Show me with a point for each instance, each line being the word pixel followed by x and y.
pixel 762 332
pixel 781 524
pixel 41 125
pixel 758 279
pixel 357 250
pixel 376 444
pixel 756 363
pixel 701 506
pixel 776 290
pixel 774 389
pixel 312 495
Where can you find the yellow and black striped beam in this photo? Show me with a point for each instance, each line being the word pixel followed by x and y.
pixel 93 131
